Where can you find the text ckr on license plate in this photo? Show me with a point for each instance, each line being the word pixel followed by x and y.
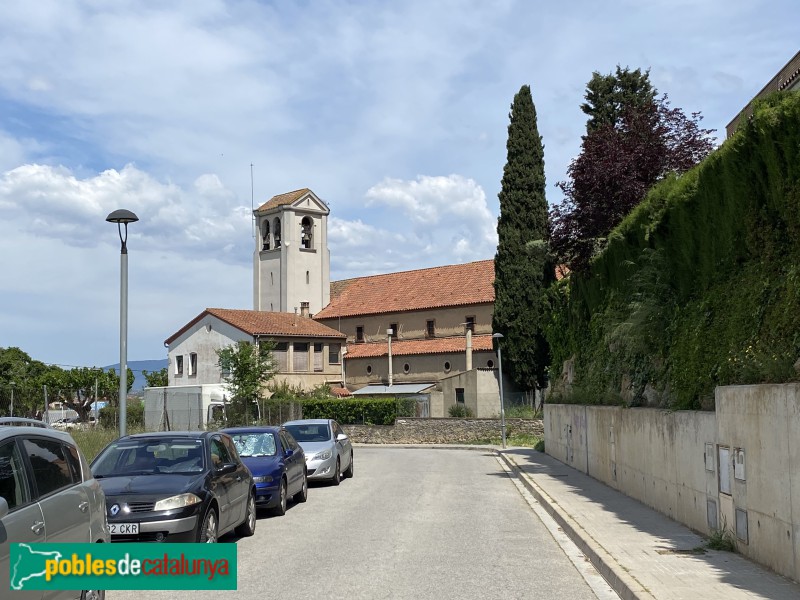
pixel 124 528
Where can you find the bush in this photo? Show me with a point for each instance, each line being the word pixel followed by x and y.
pixel 109 415
pixel 459 411
pixel 370 411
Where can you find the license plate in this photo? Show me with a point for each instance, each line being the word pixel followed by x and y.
pixel 124 528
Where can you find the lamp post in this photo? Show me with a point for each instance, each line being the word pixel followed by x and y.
pixel 12 398
pixel 498 337
pixel 389 334
pixel 123 217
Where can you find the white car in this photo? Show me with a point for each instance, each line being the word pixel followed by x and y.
pixel 328 450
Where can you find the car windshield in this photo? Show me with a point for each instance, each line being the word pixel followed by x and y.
pixel 254 444
pixel 310 432
pixel 149 457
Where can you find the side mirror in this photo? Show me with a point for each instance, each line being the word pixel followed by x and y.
pixel 3 507
pixel 227 468
pixel 341 437
pixel 289 452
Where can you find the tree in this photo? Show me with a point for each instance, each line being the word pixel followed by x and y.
pixel 608 97
pixel 626 151
pixel 158 378
pixel 523 268
pixel 249 367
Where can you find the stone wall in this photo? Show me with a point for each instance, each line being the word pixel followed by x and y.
pixel 440 431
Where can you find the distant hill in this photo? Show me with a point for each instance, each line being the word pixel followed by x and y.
pixel 137 366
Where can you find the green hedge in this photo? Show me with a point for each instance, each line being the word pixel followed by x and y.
pixel 372 411
pixel 698 286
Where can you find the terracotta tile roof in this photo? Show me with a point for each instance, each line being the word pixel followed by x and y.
pixel 480 343
pixel 283 199
pixel 438 287
pixel 255 322
pixel 341 392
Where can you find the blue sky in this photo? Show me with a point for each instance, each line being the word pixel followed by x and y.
pixel 394 113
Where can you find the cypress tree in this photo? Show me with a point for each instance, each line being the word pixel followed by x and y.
pixel 523 268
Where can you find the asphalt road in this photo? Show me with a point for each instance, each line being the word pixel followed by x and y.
pixel 412 523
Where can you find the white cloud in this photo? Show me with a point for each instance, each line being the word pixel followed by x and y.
pixel 58 205
pixel 161 108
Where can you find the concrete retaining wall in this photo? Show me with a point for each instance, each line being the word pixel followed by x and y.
pixel 440 431
pixel 675 461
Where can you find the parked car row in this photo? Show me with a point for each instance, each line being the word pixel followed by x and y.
pixel 166 486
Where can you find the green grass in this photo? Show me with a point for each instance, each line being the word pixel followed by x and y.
pixel 721 539
pixel 92 441
pixel 524 440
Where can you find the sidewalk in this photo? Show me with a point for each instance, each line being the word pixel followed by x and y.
pixel 638 550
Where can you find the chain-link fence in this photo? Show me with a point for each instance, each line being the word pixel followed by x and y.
pixel 525 405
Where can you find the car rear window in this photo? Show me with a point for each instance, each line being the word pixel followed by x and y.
pixel 310 432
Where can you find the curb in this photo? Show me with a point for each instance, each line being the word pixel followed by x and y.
pixel 494 449
pixel 626 586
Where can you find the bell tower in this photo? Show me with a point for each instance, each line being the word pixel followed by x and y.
pixel 291 262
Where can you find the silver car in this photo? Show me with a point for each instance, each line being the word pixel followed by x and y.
pixel 329 453
pixel 47 494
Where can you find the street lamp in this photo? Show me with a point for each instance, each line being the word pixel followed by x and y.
pixel 123 217
pixel 12 398
pixel 498 337
pixel 389 334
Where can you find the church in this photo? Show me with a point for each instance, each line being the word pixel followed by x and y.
pixel 424 333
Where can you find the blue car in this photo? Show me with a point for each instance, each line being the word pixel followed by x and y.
pixel 277 463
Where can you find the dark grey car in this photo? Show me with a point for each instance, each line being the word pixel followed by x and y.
pixel 47 494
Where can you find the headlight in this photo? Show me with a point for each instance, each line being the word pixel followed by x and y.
pixel 179 501
pixel 324 455
pixel 264 479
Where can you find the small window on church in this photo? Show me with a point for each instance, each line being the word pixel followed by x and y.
pixel 359 334
pixel 306 232
pixel 470 324
pixel 265 236
pixel 308 277
pixel 276 232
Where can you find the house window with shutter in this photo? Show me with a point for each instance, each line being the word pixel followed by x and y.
pixel 317 357
pixel 281 354
pixel 300 362
pixel 192 363
pixel 179 365
pixel 333 354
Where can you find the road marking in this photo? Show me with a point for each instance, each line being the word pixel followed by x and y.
pixel 593 579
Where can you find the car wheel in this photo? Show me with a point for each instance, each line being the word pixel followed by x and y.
pixel 248 526
pixel 93 595
pixel 208 531
pixel 280 510
pixel 302 495
pixel 337 473
pixel 348 473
